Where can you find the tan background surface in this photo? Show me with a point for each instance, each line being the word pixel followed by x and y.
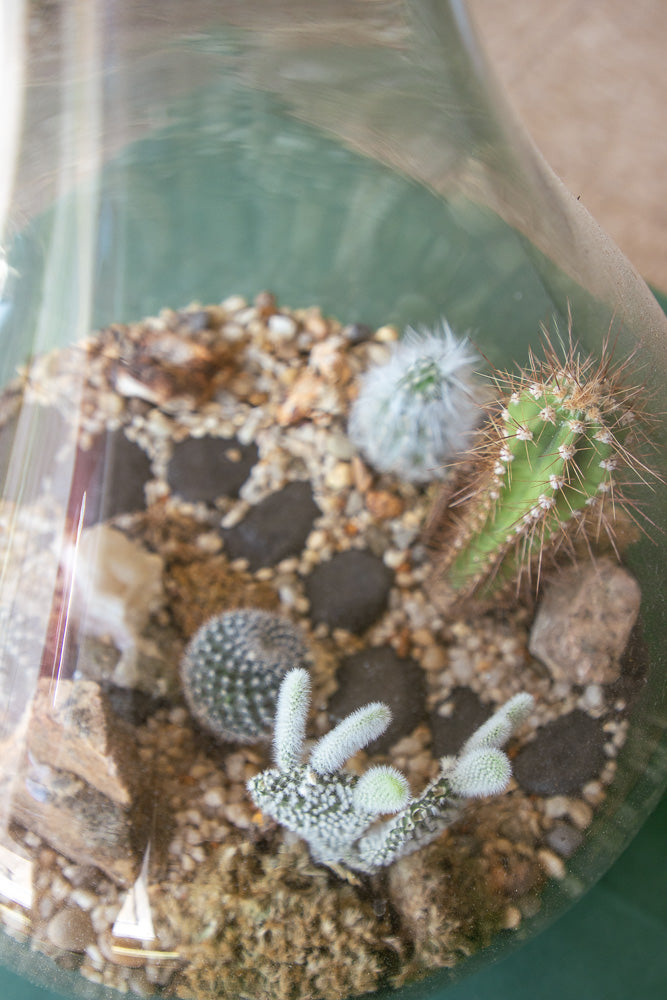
pixel 589 80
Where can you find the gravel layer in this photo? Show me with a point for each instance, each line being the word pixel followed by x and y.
pixel 269 390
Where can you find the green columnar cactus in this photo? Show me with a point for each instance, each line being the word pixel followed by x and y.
pixel 336 812
pixel 232 669
pixel 548 468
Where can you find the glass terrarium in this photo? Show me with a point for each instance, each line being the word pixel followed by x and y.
pixel 323 401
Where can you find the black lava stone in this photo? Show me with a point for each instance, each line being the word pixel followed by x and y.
pixel 451 732
pixel 112 474
pixel 349 591
pixel 564 755
pixel 206 468
pixel 275 528
pixel 379 674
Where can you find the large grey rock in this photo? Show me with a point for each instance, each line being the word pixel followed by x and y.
pixel 583 624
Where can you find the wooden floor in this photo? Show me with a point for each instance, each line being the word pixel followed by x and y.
pixel 589 80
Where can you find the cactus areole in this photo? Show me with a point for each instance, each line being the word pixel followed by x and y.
pixel 552 464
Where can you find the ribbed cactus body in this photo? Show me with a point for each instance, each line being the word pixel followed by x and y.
pixel 546 471
pixel 232 670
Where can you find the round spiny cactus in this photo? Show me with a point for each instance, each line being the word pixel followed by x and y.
pixel 552 465
pixel 232 669
pixel 418 410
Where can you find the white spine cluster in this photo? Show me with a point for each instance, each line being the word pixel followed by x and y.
pixel 417 412
pixel 336 812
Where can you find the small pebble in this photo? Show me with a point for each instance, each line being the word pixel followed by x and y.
pixel 386 334
pixel 433 658
pixel 511 918
pixel 340 477
pixel 281 327
pixel 580 813
pixel 552 864
pixel 71 930
pixel 564 839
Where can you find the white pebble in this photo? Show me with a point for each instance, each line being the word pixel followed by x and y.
pixel 281 327
pixel 214 798
pixel 83 898
pixel 593 696
pixel 234 303
pixel 393 558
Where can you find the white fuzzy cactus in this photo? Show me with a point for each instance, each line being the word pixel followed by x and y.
pixel 336 812
pixel 417 412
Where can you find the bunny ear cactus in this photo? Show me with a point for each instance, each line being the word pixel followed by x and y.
pixel 551 466
pixel 337 812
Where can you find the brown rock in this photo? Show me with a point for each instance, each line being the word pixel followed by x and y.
pixel 77 786
pixel 361 474
pixel 167 364
pixel 72 729
pixel 301 399
pixel 584 621
pixel 77 821
pixel 383 505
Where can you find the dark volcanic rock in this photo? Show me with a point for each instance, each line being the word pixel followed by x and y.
pixel 112 474
pixel 379 674
pixel 451 732
pixel 208 467
pixel 564 755
pixel 275 528
pixel 349 591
